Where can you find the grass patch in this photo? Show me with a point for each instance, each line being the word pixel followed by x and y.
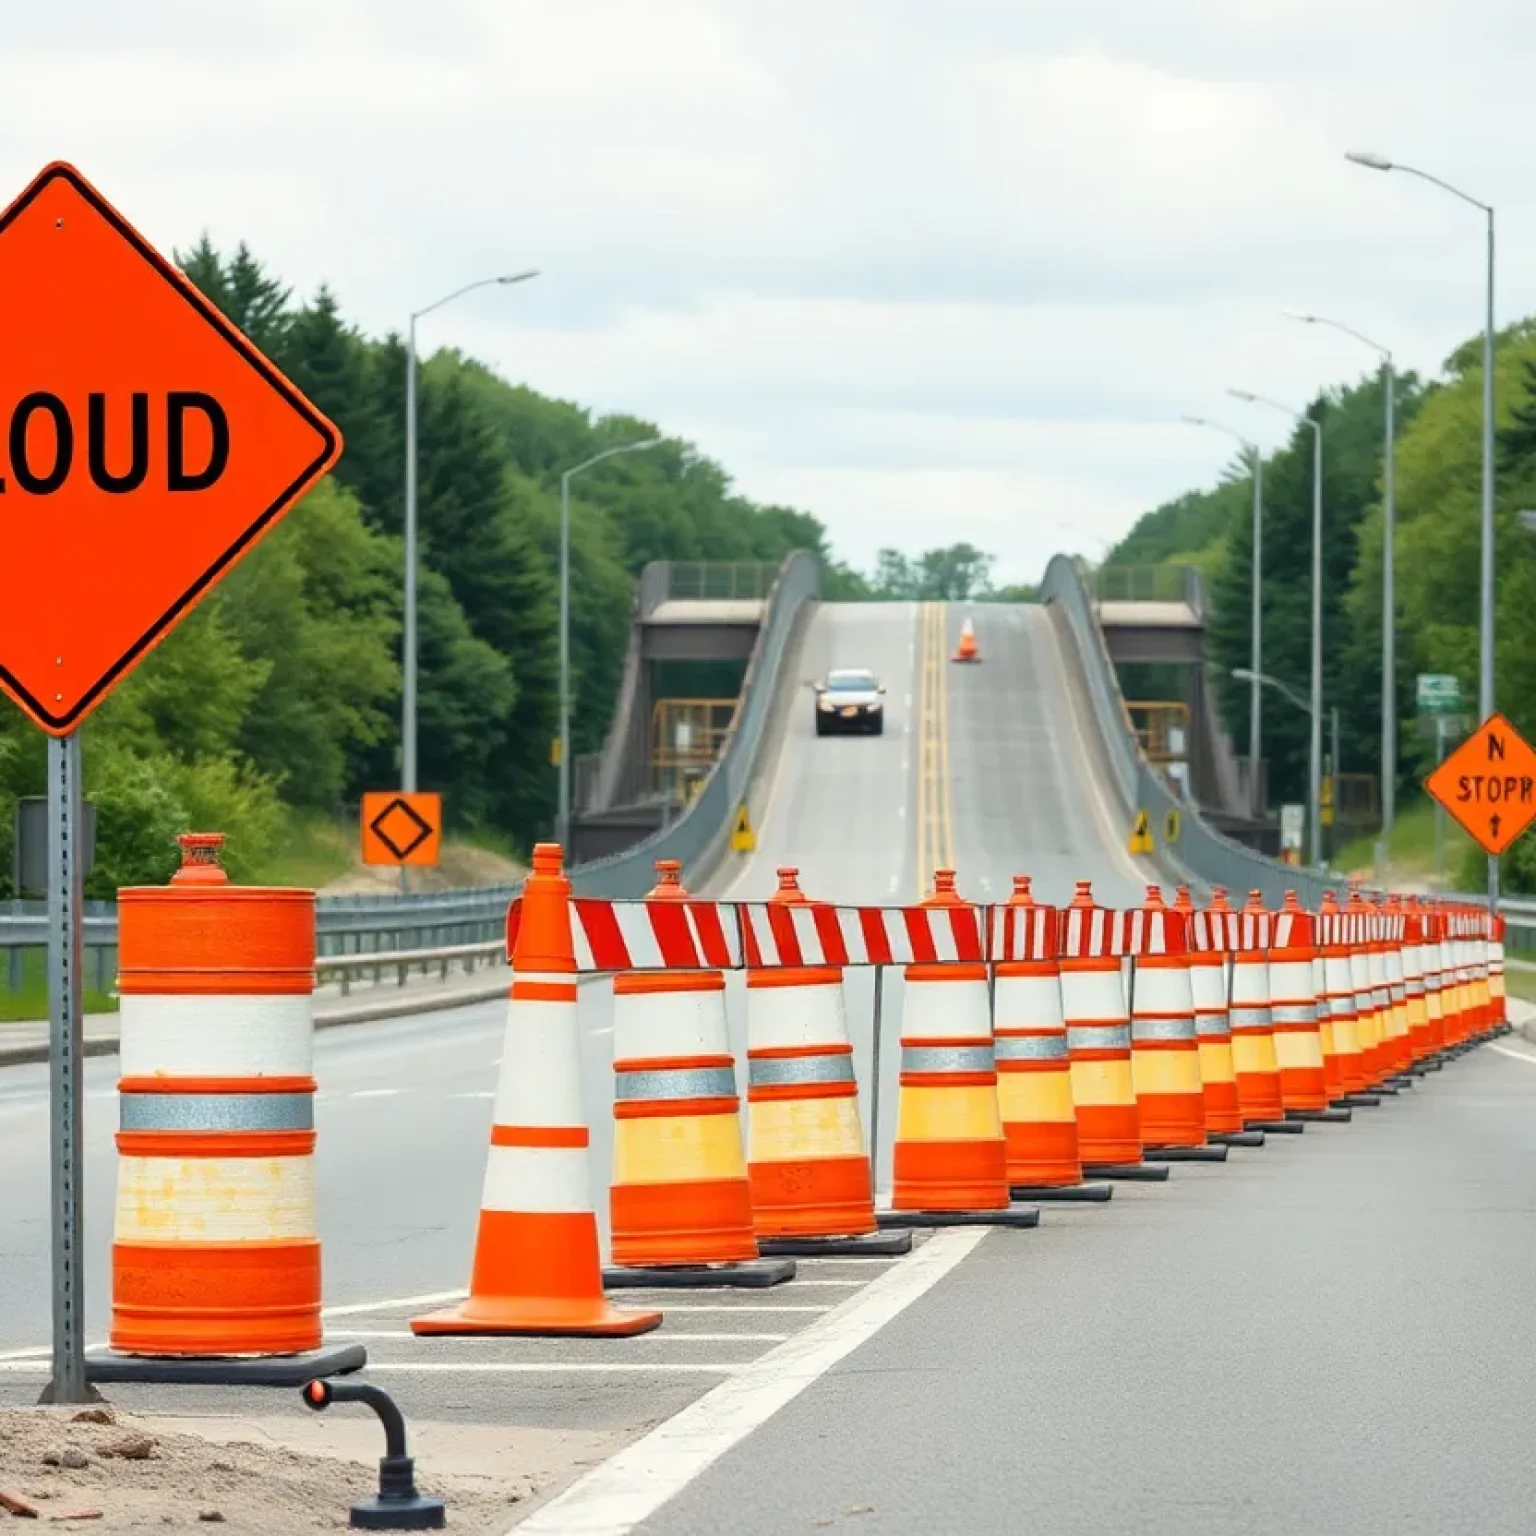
pixel 1412 850
pixel 1520 983
pixel 311 853
pixel 29 999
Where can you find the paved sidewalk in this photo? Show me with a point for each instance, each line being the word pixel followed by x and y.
pixel 364 1004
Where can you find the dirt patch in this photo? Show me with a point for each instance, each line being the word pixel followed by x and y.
pixel 461 868
pixel 133 1473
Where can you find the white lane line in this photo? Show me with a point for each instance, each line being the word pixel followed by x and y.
pixel 664 1336
pixel 614 1498
pixel 479 1093
pixel 373 1093
pixel 552 1368
pixel 1524 1056
pixel 707 1306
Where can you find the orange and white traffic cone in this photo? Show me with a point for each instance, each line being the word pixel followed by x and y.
pixel 680 1206
pixel 1034 1074
pixel 1165 1049
pixel 967 649
pixel 1391 997
pixel 1420 1043
pixel 1212 939
pixel 1294 1008
pixel 1334 926
pixel 812 1191
pixel 1253 1039
pixel 1430 979
pixel 1369 1000
pixel 536 1265
pixel 1500 998
pixel 1099 1041
pixel 950 1160
pixel 215 1252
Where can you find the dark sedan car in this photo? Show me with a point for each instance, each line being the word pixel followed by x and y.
pixel 850 700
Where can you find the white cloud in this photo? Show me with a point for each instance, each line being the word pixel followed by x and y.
pixel 933 270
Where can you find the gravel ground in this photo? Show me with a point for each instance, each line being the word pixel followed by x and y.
pixel 126 1475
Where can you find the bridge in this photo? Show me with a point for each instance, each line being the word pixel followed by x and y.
pixel 1325 1332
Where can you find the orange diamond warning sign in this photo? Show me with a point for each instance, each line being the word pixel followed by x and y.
pixel 145 446
pixel 401 828
pixel 1489 784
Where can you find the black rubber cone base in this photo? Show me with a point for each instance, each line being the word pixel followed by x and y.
pixel 753 1274
pixel 1142 1173
pixel 415 1514
pixel 1008 1216
pixel 1279 1127
pixel 871 1243
pixel 1431 1064
pixel 1357 1101
pixel 1096 1192
pixel 228 1370
pixel 1216 1154
pixel 1237 1138
pixel 1402 1082
pixel 1321 1116
pixel 1388 1088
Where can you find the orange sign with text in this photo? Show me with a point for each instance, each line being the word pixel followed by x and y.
pixel 145 446
pixel 1489 784
pixel 400 828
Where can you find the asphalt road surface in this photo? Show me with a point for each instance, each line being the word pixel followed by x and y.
pixel 1333 1333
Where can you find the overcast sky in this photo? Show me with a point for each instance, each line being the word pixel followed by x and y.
pixel 932 269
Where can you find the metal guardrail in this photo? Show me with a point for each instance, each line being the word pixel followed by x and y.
pixel 403 962
pixel 1202 853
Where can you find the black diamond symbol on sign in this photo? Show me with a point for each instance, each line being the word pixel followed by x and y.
pixel 410 830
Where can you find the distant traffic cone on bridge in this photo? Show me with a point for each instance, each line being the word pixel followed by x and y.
pixel 950 1161
pixel 812 1191
pixel 967 649
pixel 681 1203
pixel 536 1265
pixel 1165 1048
pixel 1034 1072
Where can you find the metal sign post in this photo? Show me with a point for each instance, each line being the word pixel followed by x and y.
pixel 66 880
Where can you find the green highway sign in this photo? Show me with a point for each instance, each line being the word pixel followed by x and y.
pixel 1439 694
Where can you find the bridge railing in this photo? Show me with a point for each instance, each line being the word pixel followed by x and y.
pixel 720 580
pixel 1149 584
pixel 1201 853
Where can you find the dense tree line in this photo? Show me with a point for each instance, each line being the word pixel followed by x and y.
pixel 279 697
pixel 1438 487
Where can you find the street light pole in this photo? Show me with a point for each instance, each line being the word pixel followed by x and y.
pixel 1256 616
pixel 1388 570
pixel 1485 689
pixel 563 813
pixel 408 644
pixel 1315 746
pixel 1263 679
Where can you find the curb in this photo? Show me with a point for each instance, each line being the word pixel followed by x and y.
pixel 331 1018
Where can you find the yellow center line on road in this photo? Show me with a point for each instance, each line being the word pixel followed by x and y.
pixel 935 799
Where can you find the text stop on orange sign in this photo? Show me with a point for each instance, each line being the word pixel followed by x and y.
pixel 1489 784
pixel 145 446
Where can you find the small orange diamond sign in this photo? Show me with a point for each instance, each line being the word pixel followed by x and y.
pixel 400 828
pixel 145 446
pixel 1489 784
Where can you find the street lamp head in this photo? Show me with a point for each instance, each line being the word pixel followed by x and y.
pixel 518 277
pixel 1298 314
pixel 1527 520
pixel 1243 394
pixel 1194 421
pixel 1365 157
pixel 1243 674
